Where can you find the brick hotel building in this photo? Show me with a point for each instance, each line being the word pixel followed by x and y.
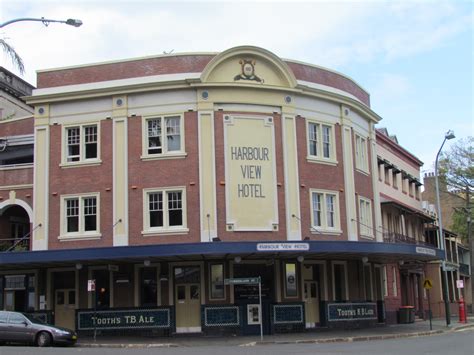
pixel 160 177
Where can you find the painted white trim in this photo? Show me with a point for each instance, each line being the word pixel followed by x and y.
pixel 332 148
pixel 247 108
pixel 120 240
pixel 211 233
pixel 82 145
pixel 166 229
pixel 111 84
pixel 323 229
pixel 41 191
pixel 81 234
pixel 164 146
pixel 18 202
pixel 349 184
pixel 286 173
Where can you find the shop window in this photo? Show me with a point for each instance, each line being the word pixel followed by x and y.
pixel 320 141
pixel 80 216
pixel 163 136
pixel 187 274
pixel 149 287
pixel 102 288
pixel 291 288
pixel 362 161
pixel 165 210
pixel 217 281
pixel 325 210
pixel 365 218
pixel 81 144
pixel 340 281
pixel 15 282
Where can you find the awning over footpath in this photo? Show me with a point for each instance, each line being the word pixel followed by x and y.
pixel 334 250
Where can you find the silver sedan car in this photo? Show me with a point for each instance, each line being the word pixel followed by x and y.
pixel 17 327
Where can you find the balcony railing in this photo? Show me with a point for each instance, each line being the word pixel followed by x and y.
pixel 464 269
pixel 389 237
pixel 15 244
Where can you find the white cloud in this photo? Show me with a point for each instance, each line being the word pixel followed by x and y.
pixel 331 34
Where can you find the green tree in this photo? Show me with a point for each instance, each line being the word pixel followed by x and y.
pixel 14 56
pixel 457 172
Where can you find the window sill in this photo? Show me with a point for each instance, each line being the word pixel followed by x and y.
pixel 74 237
pixel 180 155
pixel 369 237
pixel 362 171
pixel 80 164
pixel 155 232
pixel 326 231
pixel 327 161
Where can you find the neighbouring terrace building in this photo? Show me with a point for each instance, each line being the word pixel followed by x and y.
pixel 168 179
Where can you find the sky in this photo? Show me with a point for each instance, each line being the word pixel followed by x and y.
pixel 415 58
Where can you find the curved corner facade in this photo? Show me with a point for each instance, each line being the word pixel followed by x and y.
pixel 167 182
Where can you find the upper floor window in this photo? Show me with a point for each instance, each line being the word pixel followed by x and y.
pixel 82 143
pixel 80 216
pixel 365 217
pixel 394 180
pixel 362 161
pixel 163 136
pixel 325 211
pixel 320 141
pixel 165 210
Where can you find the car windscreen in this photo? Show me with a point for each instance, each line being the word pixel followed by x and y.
pixel 34 319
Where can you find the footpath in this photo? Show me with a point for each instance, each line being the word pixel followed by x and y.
pixel 382 332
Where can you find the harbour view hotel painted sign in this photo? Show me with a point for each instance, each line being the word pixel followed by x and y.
pixel 250 171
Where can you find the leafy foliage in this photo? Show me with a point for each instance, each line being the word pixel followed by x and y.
pixel 14 56
pixel 457 172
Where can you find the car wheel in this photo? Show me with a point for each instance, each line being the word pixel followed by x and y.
pixel 43 339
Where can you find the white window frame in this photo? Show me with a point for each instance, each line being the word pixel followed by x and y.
pixel 81 234
pixel 366 226
pixel 344 263
pixel 361 154
pixel 166 229
pixel 82 151
pixel 165 154
pixel 324 229
pixel 319 157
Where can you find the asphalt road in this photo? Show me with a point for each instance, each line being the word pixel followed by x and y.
pixel 458 343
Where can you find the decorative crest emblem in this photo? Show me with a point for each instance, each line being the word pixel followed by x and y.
pixel 248 71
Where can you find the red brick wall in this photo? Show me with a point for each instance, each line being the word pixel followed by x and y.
pixel 329 78
pixel 363 183
pixel 19 176
pixel 319 176
pixel 160 174
pixel 81 179
pixel 193 63
pixel 17 128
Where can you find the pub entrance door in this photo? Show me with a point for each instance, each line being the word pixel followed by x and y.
pixel 187 299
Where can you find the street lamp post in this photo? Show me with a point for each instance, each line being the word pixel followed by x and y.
pixel 441 239
pixel 46 22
